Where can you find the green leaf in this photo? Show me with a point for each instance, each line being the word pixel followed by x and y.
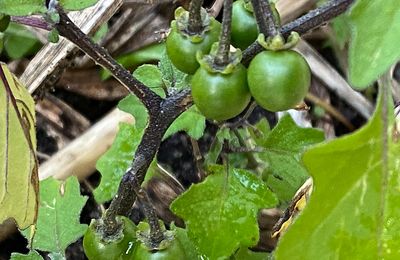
pixel 114 163
pixel 19 42
pixel 172 77
pixel 191 121
pixel 22 7
pixel 32 255
pixel 221 213
pixel 342 30
pixel 284 146
pixel 19 170
pixel 133 59
pixel 260 132
pixel 132 105
pixel 100 33
pixel 58 221
pixel 354 208
pixel 76 4
pixel 223 134
pixel 182 236
pixel 369 55
pixel 151 77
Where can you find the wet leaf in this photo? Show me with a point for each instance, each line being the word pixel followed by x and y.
pixel 221 213
pixel 18 171
pixel 284 146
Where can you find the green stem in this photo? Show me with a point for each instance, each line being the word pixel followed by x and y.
pixel 222 57
pixel 195 25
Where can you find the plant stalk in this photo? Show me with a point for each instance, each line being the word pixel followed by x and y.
pixel 222 57
pixel 156 234
pixel 195 25
pixel 303 24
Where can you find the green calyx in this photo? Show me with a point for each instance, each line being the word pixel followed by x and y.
pixel 248 6
pixel 143 235
pixel 208 61
pixel 182 22
pixel 278 43
pixel 98 226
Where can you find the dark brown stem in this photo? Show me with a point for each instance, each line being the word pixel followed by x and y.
pixel 156 234
pixel 195 25
pixel 69 30
pixel 305 23
pixel 243 118
pixel 272 23
pixel 261 19
pixel 159 121
pixel 222 57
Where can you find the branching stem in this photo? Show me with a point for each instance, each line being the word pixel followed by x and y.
pixel 222 57
pixel 304 24
pixel 162 112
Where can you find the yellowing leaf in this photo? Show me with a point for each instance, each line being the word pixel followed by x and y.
pixel 18 167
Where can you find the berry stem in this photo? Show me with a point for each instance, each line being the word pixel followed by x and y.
pixel 267 24
pixel 222 57
pixel 273 27
pixel 195 25
pixel 156 234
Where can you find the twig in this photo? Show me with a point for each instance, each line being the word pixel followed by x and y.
pixel 199 159
pixel 51 59
pixel 222 57
pixel 273 26
pixel 305 23
pixel 331 110
pixel 243 118
pixel 170 109
pixel 261 19
pixel 156 234
pixel 69 30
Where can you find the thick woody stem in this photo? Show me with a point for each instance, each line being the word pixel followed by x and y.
pixel 100 55
pixel 304 24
